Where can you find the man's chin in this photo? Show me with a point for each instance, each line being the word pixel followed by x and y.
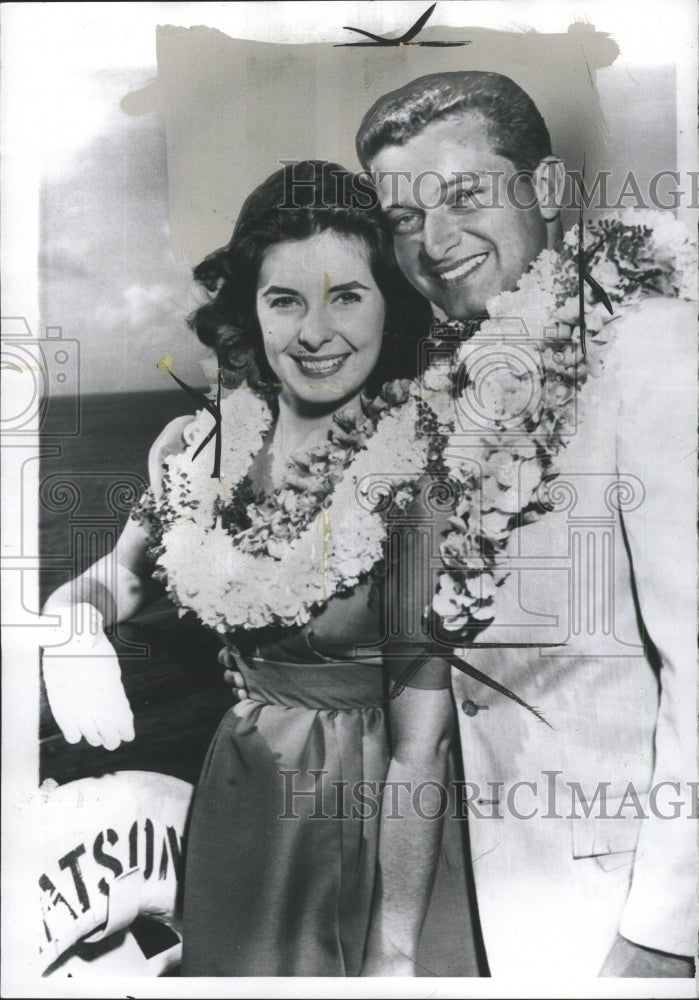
pixel 461 307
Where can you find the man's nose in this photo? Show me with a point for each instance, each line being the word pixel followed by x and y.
pixel 316 329
pixel 438 234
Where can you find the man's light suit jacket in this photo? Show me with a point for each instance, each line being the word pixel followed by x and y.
pixel 581 827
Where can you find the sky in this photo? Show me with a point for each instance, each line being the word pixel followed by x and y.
pixel 93 180
pixel 108 275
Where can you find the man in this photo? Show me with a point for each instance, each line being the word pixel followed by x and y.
pixel 573 874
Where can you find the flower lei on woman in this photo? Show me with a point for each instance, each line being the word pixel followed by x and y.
pixel 516 402
pixel 242 563
pixel 239 563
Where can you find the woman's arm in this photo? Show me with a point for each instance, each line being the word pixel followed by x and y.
pixel 81 669
pixel 118 585
pixel 422 727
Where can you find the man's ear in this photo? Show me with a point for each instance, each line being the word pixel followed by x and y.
pixel 549 181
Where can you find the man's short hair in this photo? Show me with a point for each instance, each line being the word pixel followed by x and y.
pixel 515 126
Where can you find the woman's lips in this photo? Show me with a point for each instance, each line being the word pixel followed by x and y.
pixel 459 268
pixel 320 367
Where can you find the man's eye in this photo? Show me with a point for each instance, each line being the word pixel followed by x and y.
pixel 410 222
pixel 471 198
pixel 347 298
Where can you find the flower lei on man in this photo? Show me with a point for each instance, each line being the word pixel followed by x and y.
pixel 508 394
pixel 493 411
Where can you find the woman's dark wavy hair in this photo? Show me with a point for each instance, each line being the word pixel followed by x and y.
pixel 296 202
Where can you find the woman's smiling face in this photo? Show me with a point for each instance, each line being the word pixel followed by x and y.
pixel 322 317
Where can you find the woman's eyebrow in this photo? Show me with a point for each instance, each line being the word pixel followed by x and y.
pixel 277 290
pixel 348 286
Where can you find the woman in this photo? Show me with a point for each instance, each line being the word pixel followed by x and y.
pixel 282 553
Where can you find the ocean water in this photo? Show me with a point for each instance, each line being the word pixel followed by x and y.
pixel 97 469
pixel 169 665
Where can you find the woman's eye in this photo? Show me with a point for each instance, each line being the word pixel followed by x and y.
pixel 283 302
pixel 410 222
pixel 347 298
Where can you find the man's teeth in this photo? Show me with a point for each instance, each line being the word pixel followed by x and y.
pixel 320 364
pixel 462 269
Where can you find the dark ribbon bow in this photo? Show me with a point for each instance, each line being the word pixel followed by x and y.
pixel 584 258
pixel 214 408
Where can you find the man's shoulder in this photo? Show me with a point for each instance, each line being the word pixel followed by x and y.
pixel 652 309
pixel 657 333
pixel 654 362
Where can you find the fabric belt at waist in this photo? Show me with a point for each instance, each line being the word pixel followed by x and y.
pixel 334 684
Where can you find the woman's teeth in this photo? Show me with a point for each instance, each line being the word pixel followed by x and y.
pixel 462 269
pixel 320 366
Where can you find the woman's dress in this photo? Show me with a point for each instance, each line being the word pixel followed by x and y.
pixel 283 843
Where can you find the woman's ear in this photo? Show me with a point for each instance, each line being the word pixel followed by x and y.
pixel 549 181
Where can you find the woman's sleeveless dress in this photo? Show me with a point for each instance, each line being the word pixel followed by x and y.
pixel 277 883
pixel 283 842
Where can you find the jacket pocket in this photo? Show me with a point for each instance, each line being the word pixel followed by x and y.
pixel 610 833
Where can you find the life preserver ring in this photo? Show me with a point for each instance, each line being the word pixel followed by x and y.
pixel 114 852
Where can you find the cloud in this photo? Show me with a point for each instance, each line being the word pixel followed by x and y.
pixel 133 332
pixel 108 275
pixel 148 308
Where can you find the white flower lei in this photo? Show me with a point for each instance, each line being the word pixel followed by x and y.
pixel 267 574
pixel 530 397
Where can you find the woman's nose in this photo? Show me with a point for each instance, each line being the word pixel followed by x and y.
pixel 316 329
pixel 438 234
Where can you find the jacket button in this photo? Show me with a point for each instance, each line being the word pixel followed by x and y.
pixel 470 707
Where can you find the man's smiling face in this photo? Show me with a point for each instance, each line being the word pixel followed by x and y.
pixel 476 240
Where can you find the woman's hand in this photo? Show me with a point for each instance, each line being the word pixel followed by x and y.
pixel 83 684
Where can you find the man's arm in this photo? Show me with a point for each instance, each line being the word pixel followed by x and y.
pixel 421 724
pixel 656 441
pixel 627 960
pixel 421 728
